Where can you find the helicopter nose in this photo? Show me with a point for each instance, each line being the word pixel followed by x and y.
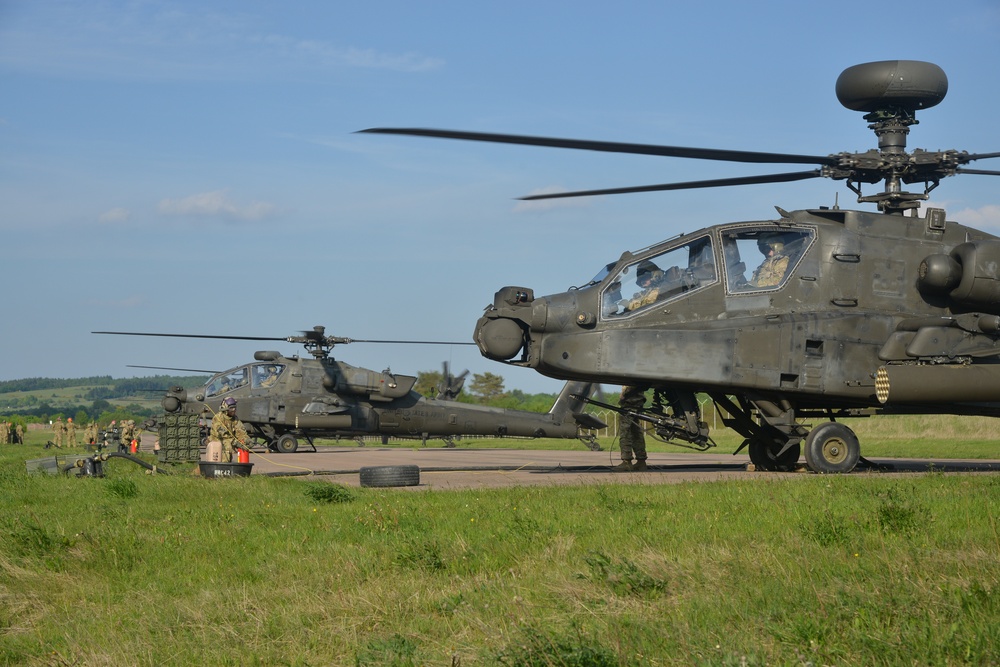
pixel 500 339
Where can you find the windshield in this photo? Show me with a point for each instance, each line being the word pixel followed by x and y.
pixel 265 375
pixel 661 277
pixel 601 275
pixel 226 382
pixel 759 258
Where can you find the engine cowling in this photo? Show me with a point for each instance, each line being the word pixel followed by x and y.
pixel 968 276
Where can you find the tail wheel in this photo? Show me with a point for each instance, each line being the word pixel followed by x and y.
pixel 832 448
pixel 286 444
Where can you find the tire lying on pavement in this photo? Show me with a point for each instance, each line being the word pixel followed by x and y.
pixel 390 475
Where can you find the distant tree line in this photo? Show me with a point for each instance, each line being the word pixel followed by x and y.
pixel 100 391
pixel 34 384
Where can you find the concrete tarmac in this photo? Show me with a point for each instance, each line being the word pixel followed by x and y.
pixel 443 468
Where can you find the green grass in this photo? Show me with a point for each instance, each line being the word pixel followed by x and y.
pixel 178 570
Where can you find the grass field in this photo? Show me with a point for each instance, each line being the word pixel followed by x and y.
pixel 177 570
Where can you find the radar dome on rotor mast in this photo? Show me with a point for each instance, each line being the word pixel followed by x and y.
pixel 889 84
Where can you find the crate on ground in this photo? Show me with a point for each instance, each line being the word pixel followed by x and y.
pixel 180 438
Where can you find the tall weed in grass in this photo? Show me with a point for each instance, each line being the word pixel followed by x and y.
pixel 138 569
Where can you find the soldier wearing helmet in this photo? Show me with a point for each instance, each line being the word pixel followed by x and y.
pixel 58 432
pixel 772 270
pixel 648 277
pixel 70 433
pixel 228 430
pixel 269 375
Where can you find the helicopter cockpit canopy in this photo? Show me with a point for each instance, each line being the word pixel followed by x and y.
pixel 762 258
pixel 757 258
pixel 665 276
pixel 265 375
pixel 258 375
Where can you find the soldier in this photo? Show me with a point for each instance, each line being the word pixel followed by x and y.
pixel 70 433
pixel 128 434
pixel 228 430
pixel 58 431
pixel 772 270
pixel 19 432
pixel 631 439
pixel 90 433
pixel 269 376
pixel 4 432
pixel 647 277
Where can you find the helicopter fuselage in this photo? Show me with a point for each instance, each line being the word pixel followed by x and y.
pixel 280 397
pixel 861 292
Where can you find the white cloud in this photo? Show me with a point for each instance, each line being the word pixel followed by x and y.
pixel 115 215
pixel 156 40
pixel 325 54
pixel 216 204
pixel 986 216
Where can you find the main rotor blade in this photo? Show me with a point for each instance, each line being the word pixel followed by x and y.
pixel 979 156
pixel 981 172
pixel 412 342
pixel 169 335
pixel 688 185
pixel 343 340
pixel 613 146
pixel 167 368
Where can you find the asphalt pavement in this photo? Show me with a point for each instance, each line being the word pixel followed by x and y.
pixel 444 468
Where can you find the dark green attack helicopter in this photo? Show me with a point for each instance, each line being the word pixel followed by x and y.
pixel 812 316
pixel 282 399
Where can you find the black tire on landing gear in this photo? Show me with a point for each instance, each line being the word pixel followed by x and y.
pixel 764 455
pixel 832 448
pixel 286 444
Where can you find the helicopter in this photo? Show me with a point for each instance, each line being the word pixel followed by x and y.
pixel 859 313
pixel 281 399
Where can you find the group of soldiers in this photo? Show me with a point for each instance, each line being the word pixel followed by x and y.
pixel 11 434
pixel 64 433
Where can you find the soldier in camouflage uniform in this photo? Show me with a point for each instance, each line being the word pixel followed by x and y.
pixel 90 433
pixel 648 277
pixel 228 430
pixel 772 270
pixel 70 433
pixel 127 434
pixel 58 431
pixel 4 432
pixel 19 431
pixel 631 438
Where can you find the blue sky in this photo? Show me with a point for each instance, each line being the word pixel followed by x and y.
pixel 193 167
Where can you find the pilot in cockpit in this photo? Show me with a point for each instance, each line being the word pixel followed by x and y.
pixel 267 375
pixel 648 277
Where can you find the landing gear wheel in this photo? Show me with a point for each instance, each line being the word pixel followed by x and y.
pixel 286 444
pixel 832 448
pixel 764 455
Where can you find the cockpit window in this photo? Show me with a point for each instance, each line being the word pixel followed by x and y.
pixel 662 277
pixel 226 382
pixel 602 274
pixel 265 375
pixel 759 259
